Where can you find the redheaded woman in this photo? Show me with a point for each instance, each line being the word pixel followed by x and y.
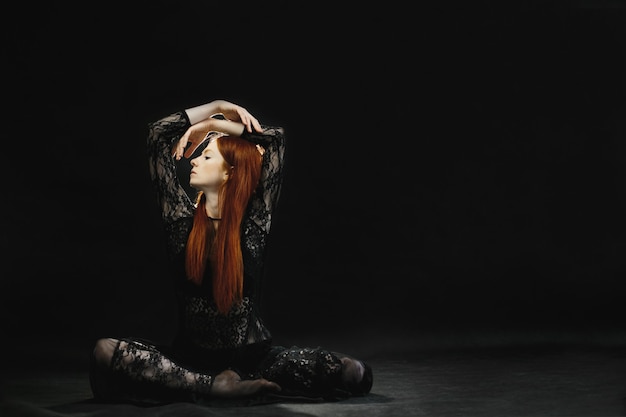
pixel 216 243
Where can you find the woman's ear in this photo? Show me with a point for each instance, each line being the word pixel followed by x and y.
pixel 227 173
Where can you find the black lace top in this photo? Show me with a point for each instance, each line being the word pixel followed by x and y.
pixel 201 326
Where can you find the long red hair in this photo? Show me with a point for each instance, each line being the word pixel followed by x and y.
pixel 222 248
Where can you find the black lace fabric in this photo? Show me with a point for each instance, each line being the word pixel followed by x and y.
pixel 208 329
pixel 208 342
pixel 305 372
pixel 200 323
pixel 144 365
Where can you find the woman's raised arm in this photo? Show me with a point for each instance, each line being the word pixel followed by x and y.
pixel 236 120
pixel 229 110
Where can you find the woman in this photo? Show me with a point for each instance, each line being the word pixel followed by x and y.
pixel 216 244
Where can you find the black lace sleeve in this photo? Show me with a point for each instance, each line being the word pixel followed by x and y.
pixel 175 204
pixel 265 199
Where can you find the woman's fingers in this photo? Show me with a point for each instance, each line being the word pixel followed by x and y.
pixel 248 120
pixel 178 149
pixel 256 125
pixel 253 124
pixel 189 142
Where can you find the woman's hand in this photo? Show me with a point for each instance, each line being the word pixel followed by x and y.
pixel 195 135
pixel 237 113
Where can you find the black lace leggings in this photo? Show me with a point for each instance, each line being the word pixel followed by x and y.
pixel 129 370
pixel 134 371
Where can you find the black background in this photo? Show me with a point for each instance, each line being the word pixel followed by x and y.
pixel 448 168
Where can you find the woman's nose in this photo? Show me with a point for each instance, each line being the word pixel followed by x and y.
pixel 193 162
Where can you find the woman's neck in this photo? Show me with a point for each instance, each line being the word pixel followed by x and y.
pixel 211 207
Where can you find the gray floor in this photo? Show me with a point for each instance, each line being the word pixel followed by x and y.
pixel 449 375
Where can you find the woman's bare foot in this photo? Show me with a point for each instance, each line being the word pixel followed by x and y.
pixel 228 384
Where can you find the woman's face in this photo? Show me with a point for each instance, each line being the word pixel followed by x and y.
pixel 207 170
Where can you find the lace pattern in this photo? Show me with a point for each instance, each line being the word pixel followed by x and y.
pixel 200 322
pixel 146 364
pixel 305 371
pixel 171 197
pixel 209 329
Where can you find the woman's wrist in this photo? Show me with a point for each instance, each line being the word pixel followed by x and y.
pixel 202 112
pixel 227 126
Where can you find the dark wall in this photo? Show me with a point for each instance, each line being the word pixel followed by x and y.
pixel 446 168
